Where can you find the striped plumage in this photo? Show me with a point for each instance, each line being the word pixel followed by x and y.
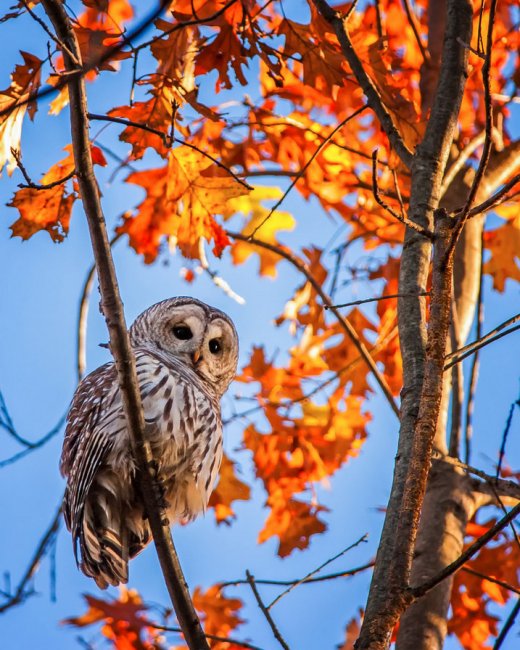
pixel 186 355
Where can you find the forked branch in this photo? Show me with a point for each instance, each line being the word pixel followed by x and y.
pixel 119 341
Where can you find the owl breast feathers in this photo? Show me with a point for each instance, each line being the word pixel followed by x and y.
pixel 186 356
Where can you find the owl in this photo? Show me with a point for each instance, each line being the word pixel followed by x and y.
pixel 186 356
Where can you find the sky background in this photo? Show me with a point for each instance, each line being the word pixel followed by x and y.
pixel 39 294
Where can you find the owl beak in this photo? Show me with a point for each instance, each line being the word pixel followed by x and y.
pixel 196 356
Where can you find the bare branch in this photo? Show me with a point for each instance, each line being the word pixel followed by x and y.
pixel 496 199
pixel 308 581
pixel 510 621
pixel 459 355
pixel 473 549
pixel 302 171
pixel 379 298
pixel 265 611
pixel 504 487
pixel 339 25
pixel 52 36
pixel 413 24
pixel 345 324
pixel 505 435
pixel 306 578
pixel 119 340
pixel 36 186
pixel 409 224
pixel 21 592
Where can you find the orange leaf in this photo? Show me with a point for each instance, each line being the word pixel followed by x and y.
pixel 182 199
pixel 504 245
pixel 229 489
pixel 24 81
pixel 293 522
pixel 219 614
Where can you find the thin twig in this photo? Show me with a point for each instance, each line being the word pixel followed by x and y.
pixel 302 171
pixel 84 302
pixel 459 355
pixel 36 186
pixel 413 24
pixel 379 298
pixel 317 570
pixel 213 637
pixel 217 279
pixel 265 611
pixel 496 581
pixel 21 593
pixel 468 433
pixel 496 199
pixel 167 141
pixel 505 487
pixel 119 341
pixel 460 161
pixel 52 36
pixel 285 583
pixel 344 322
pixel 409 224
pixel 505 435
pixel 510 621
pixel 339 24
pixel 473 549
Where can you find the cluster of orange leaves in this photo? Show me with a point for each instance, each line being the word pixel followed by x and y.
pixel 125 622
pixel 314 402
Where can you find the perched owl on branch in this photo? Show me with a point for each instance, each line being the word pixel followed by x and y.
pixel 186 356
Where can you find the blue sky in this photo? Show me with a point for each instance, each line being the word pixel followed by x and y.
pixel 39 297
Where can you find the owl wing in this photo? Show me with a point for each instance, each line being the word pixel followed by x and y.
pixel 87 444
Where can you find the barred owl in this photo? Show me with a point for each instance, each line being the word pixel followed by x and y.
pixel 186 356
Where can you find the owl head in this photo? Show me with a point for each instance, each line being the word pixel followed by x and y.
pixel 202 337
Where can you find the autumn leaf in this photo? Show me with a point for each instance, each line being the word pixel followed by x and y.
pixel 49 209
pixel 123 621
pixel 220 615
pixel 182 200
pixel 230 488
pixel 25 80
pixel 504 246
pixel 292 521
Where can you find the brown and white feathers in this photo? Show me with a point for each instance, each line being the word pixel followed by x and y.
pixel 186 356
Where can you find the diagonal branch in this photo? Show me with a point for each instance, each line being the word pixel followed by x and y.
pixel 425 232
pixel 265 611
pixel 119 340
pixel 302 171
pixel 339 25
pixel 473 549
pixel 327 303
pixel 497 333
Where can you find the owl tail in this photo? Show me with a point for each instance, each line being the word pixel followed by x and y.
pixel 104 541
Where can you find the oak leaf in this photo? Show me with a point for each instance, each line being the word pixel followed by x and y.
pixel 182 199
pixel 230 488
pixel 25 80
pixel 504 246
pixel 220 615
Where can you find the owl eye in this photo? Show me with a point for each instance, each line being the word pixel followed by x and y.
pixel 182 332
pixel 215 346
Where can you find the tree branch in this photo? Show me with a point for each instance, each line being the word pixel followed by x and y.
pixel 265 612
pixel 327 303
pixel 459 355
pixel 473 549
pixel 339 24
pixel 119 340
